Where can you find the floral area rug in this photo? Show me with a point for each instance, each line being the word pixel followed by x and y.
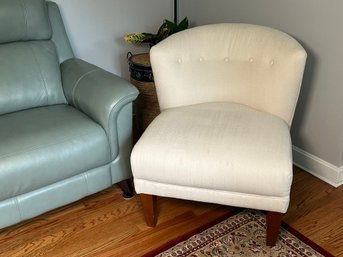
pixel 241 235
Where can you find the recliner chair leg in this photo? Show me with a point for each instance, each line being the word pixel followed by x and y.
pixel 273 227
pixel 127 188
pixel 149 209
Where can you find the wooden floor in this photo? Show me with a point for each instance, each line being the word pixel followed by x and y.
pixel 107 225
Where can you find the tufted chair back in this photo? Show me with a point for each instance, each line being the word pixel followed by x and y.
pixel 248 64
pixel 30 55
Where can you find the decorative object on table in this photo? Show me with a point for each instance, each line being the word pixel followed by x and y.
pixel 146 107
pixel 240 235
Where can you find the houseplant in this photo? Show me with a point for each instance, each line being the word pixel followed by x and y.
pixel 166 29
pixel 140 64
pixel 146 107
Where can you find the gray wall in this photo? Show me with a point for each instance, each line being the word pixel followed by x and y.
pixel 317 130
pixel 96 28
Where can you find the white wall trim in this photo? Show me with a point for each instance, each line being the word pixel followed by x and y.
pixel 318 167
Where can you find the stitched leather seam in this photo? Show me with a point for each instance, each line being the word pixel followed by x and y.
pixel 18 208
pixel 85 177
pixel 77 83
pixel 25 18
pixel 40 73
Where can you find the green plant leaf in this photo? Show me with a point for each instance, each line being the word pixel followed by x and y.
pixel 135 38
pixel 172 27
pixel 183 24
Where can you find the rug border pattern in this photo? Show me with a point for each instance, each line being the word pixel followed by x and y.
pixel 215 222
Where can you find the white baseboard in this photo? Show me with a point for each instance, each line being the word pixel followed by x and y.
pixel 318 167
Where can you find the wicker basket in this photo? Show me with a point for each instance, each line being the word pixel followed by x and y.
pixel 146 106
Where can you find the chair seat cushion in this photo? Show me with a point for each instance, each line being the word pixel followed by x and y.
pixel 220 146
pixel 44 145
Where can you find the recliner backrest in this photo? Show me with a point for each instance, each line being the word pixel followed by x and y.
pixel 29 61
pixel 249 64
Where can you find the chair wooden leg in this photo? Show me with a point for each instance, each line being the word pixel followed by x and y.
pixel 149 209
pixel 273 227
pixel 127 188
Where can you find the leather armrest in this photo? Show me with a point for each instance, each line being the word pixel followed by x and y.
pixel 97 93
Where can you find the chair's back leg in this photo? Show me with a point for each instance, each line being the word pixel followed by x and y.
pixel 273 227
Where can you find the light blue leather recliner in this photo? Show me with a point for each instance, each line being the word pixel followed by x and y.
pixel 65 125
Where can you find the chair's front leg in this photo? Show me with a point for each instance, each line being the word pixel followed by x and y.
pixel 149 209
pixel 273 227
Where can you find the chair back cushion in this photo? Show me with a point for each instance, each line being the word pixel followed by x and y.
pixel 248 64
pixel 29 66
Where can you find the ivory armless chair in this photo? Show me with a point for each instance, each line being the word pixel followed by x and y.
pixel 227 93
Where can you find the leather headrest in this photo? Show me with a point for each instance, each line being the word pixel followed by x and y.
pixel 24 20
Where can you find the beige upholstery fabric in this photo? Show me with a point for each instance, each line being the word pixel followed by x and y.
pixel 227 94
pixel 197 151
pixel 249 64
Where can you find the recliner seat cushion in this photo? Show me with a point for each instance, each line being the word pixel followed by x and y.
pixel 209 146
pixel 22 20
pixel 44 145
pixel 30 76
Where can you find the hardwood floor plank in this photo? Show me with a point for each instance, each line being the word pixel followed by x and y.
pixel 316 210
pixel 155 237
pixel 330 226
